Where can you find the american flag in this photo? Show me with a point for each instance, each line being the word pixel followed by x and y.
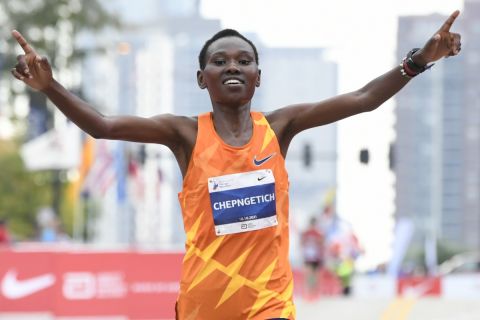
pixel 101 175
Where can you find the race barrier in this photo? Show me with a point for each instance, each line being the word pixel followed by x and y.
pixel 144 285
pixel 452 286
pixel 137 285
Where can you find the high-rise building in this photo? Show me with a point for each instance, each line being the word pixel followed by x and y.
pixel 437 149
pixel 471 124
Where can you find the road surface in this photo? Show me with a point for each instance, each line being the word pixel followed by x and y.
pixel 350 309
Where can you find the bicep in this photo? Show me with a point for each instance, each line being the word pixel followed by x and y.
pixel 159 129
pixel 287 122
pixel 291 120
pixel 309 115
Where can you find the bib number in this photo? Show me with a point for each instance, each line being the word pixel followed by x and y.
pixel 243 202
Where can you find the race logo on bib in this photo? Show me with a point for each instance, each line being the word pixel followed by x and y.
pixel 243 202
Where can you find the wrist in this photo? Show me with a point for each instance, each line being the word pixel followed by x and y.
pixel 414 63
pixel 51 86
pixel 419 59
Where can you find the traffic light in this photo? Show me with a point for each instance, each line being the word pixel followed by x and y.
pixel 142 153
pixel 391 157
pixel 364 156
pixel 307 155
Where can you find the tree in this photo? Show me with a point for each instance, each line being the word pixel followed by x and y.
pixel 51 26
pixel 22 193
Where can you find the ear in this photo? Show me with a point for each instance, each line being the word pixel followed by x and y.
pixel 200 81
pixel 257 83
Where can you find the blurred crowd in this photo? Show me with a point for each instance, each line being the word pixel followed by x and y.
pixel 49 230
pixel 329 250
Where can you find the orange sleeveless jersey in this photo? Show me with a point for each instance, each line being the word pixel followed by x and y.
pixel 235 212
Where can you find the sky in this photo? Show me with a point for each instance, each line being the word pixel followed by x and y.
pixel 348 27
pixel 361 38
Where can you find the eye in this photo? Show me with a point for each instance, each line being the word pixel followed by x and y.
pixel 219 62
pixel 245 62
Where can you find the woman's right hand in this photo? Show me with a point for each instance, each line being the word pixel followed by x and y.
pixel 31 68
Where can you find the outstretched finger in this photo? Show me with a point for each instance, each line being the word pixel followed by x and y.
pixel 448 24
pixel 22 42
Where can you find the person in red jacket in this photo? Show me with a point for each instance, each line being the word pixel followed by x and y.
pixel 312 241
pixel 4 236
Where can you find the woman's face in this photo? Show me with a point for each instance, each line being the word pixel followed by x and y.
pixel 231 72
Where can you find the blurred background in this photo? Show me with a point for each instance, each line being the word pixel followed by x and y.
pixel 394 193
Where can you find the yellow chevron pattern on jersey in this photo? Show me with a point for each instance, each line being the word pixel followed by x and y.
pixel 269 134
pixel 234 276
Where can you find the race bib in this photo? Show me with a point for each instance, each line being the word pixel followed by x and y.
pixel 243 202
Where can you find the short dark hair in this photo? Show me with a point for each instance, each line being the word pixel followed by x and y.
pixel 219 35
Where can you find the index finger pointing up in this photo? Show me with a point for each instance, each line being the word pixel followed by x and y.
pixel 447 24
pixel 21 41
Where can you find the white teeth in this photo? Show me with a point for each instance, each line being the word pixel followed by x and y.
pixel 232 81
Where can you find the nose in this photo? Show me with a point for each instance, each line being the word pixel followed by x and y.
pixel 232 67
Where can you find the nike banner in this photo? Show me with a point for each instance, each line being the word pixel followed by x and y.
pixel 135 285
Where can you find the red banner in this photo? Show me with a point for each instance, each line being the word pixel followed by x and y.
pixel 28 281
pixel 417 287
pixel 133 284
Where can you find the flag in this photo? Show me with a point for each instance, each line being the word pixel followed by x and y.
pixel 57 149
pixel 121 171
pixel 86 161
pixel 102 173
pixel 135 179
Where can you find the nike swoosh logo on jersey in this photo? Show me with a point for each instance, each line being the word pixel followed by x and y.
pixel 262 161
pixel 12 288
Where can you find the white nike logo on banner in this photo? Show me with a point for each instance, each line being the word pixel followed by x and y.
pixel 12 288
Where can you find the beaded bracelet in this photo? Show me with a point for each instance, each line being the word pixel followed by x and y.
pixel 409 68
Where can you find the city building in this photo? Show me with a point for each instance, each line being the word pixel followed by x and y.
pixel 437 149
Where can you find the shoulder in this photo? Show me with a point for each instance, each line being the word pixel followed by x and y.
pixel 282 123
pixel 283 118
pixel 187 126
pixel 191 122
pixel 183 129
pixel 178 123
pixel 175 119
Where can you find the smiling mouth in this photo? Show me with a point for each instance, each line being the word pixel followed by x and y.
pixel 232 82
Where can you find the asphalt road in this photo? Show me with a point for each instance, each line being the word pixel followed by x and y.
pixel 398 309
pixel 350 309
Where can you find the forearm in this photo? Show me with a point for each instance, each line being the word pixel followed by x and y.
pixel 382 88
pixel 77 110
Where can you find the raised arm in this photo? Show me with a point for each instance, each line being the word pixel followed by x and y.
pixel 36 72
pixel 289 121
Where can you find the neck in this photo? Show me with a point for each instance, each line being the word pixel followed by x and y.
pixel 233 125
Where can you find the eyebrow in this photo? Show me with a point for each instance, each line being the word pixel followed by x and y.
pixel 241 52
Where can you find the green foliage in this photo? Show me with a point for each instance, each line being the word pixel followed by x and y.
pixel 22 193
pixel 415 255
pixel 446 250
pixel 51 27
pixel 47 24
